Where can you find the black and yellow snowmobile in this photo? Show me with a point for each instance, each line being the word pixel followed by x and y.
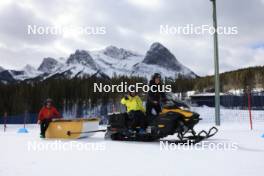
pixel 175 118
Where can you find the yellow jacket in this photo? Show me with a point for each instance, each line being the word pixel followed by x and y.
pixel 133 104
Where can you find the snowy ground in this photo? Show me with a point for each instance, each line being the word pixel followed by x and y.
pixel 245 157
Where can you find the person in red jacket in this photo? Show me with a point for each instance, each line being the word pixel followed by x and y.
pixel 46 114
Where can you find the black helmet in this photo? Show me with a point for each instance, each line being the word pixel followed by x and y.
pixel 156 75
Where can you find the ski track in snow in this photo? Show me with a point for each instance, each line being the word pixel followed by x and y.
pixel 135 158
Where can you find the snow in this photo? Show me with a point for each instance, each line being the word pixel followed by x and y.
pixel 242 92
pixel 110 65
pixel 50 65
pixel 236 91
pixel 115 158
pixel 147 70
pixel 30 71
pixel 27 72
pixel 190 93
pixel 205 94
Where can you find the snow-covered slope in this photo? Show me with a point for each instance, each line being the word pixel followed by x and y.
pixel 109 61
pixel 117 61
pixel 27 72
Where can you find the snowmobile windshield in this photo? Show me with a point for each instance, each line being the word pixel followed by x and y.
pixel 172 101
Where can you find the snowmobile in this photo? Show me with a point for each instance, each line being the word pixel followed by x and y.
pixel 175 118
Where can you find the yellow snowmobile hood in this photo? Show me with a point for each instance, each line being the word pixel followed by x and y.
pixel 185 113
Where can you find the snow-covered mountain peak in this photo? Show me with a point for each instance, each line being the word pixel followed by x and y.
pixel 157 46
pixel 29 69
pixel 82 57
pixel 118 53
pixel 159 59
pixel 161 56
pixel 49 65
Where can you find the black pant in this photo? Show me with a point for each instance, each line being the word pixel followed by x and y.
pixel 150 106
pixel 44 124
pixel 137 118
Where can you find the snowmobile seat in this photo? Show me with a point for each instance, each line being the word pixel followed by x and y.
pixel 118 120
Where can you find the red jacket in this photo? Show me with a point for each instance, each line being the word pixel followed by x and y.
pixel 48 113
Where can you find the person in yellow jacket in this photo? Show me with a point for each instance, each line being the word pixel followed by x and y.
pixel 135 110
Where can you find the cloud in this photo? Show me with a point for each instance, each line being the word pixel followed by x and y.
pixel 133 24
pixel 146 4
pixel 14 25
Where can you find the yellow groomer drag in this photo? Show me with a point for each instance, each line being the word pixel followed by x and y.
pixel 60 128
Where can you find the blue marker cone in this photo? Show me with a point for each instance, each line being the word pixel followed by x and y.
pixel 22 130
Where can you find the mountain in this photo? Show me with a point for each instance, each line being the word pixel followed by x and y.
pixel 6 77
pixel 106 63
pixel 159 59
pixel 118 53
pixel 161 56
pixel 49 65
pixel 82 57
pixel 78 64
pixel 27 72
pixel 30 70
pixel 116 61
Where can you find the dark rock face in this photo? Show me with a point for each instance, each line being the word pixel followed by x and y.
pixel 48 65
pixel 82 57
pixel 118 53
pixel 161 56
pixel 6 77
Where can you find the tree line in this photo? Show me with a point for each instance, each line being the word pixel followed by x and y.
pixel 30 95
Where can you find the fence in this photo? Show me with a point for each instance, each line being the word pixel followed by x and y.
pixel 19 119
pixel 231 114
pixel 99 111
pixel 231 101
